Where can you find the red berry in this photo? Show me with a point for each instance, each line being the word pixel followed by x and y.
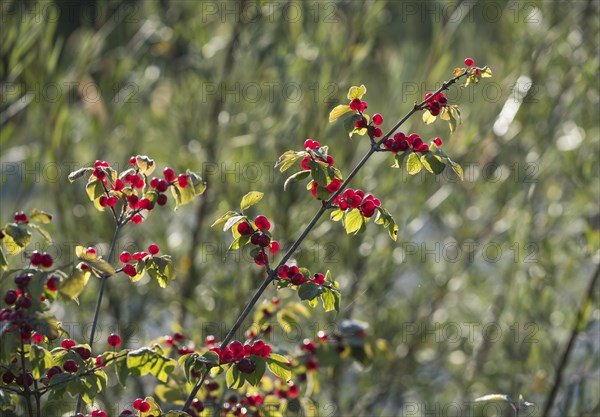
pixel 85 353
pixel 377 133
pixel 264 241
pixel 99 362
pixel 274 248
pixel 129 270
pixel 309 346
pixel 136 219
pixel 154 182
pixel 246 366
pixel 182 179
pixel 197 404
pixel 10 297
pixel 244 228
pixel 139 255
pixel 319 279
pixel 153 249
pixel 36 258
pixel 297 279
pixel 133 201
pixel 52 283
pixel 119 185
pixel 334 185
pixel 260 259
pixel 162 186
pixel 368 208
pixel 316 144
pixel 137 403
pixel 304 163
pixel 103 201
pixel 469 62
pixel 262 223
pixel 112 200
pixel 47 260
pixel 146 204
pixel 20 217
pixel 67 344
pixel 161 200
pixel 282 271
pixel 377 119
pixel 437 141
pixel 355 104
pixel 311 364
pixel 178 337
pixel 144 407
pixel 90 251
pixel 125 257
pixel 308 144
pixel 169 174
pixel 133 160
pixel 114 340
pixel 70 366
pixel 330 161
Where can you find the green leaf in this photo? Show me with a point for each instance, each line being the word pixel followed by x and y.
pixel 40 359
pixel 298 176
pixel 169 394
pixel 279 366
pixel 122 370
pixel 39 216
pixel 16 238
pixel 161 269
pixel 353 221
pixel 155 409
pixel 251 199
pixel 287 159
pixel 223 218
pixel 435 163
pixel 259 370
pixel 356 92
pixel 457 169
pixel 234 378
pixel 337 215
pixel 318 172
pixel 413 164
pixel 93 260
pixel 79 173
pixel 43 232
pixel 175 413
pixel 194 188
pixel 145 360
pixel 95 190
pixel 231 221
pixel 338 111
pixel 425 163
pixel 309 290
pixel 46 325
pixel 399 159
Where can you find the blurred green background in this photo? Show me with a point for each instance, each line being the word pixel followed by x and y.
pixel 481 291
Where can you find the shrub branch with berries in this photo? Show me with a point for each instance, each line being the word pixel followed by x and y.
pixel 257 377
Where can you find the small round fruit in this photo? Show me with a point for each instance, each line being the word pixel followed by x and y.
pixel 469 62
pixel 114 340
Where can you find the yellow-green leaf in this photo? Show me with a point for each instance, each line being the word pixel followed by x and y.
pixel 40 216
pixel 425 163
pixel 145 164
pixel 356 92
pixel 486 72
pixel 428 118
pixel 93 260
pixel 251 199
pixel 75 283
pixel 338 111
pixel 16 238
pixel 413 164
pixel 279 366
pixel 353 221
pixel 458 169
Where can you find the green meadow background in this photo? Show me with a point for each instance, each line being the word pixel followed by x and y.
pixel 480 293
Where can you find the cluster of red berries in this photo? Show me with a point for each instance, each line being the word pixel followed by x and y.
pixel 367 204
pixel 436 104
pixel 126 257
pixel 401 143
pixel 41 259
pixel 238 353
pixel 21 217
pixel 99 413
pixel 259 237
pixel 99 171
pixel 310 144
pixel 240 406
pixel 374 131
pixel 177 340
pixel 141 405
pixel 296 277
pixel 23 379
pixel 358 105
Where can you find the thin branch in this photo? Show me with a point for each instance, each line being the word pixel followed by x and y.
pixel 577 324
pixel 375 146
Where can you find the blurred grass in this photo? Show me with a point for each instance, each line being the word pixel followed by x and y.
pixel 144 77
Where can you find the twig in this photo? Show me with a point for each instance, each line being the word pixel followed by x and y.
pixel 587 298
